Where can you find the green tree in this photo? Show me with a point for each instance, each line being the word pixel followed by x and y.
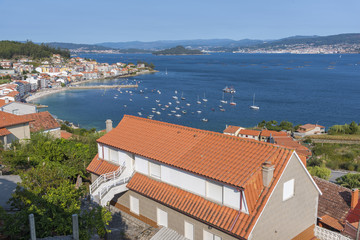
pixel 350 180
pixel 321 172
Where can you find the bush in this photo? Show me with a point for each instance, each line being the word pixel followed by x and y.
pixel 350 180
pixel 321 172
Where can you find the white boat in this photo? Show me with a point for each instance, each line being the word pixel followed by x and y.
pixel 159 92
pixel 146 97
pixel 232 101
pixel 150 116
pixel 205 99
pixel 175 91
pixel 158 113
pixel 115 97
pixel 157 101
pixel 166 71
pixel 139 113
pixel 198 101
pixel 130 100
pixel 183 111
pixel 182 96
pixel 177 108
pixel 170 103
pixel 254 106
pixel 163 109
pixel 205 120
pixel 188 104
pixel 173 111
pixel 125 106
pixel 177 115
pixel 222 109
pixel 178 102
pixel 222 100
pixel 159 104
pixel 174 97
pixel 198 111
pixel 153 108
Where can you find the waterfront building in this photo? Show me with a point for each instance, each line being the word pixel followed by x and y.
pixel 203 184
pixel 309 129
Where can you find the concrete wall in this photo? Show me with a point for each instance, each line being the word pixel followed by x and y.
pixel 19 132
pixel 286 219
pixel 176 220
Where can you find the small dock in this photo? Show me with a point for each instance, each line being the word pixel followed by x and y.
pixel 104 86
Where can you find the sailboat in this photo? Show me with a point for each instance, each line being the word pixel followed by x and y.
pixel 182 96
pixel 232 101
pixel 198 101
pixel 254 106
pixel 222 100
pixel 166 71
pixel 204 99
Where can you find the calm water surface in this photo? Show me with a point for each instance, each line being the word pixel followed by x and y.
pixel 322 89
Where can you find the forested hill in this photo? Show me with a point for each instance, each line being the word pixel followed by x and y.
pixel 178 50
pixel 12 49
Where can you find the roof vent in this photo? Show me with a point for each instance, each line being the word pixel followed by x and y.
pixel 267 173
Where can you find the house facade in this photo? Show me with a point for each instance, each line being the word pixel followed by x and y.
pixel 202 184
pixel 309 129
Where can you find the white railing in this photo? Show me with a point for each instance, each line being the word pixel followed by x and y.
pixel 103 191
pixel 325 234
pixel 106 177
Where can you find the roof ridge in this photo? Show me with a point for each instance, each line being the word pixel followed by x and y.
pixel 203 131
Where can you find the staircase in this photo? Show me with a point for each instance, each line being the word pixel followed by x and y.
pixel 104 188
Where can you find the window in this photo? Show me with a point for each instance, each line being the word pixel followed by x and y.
pixel 209 236
pixel 155 170
pixel 214 191
pixel 288 190
pixel 134 205
pixel 114 156
pixel 162 218
pixel 189 230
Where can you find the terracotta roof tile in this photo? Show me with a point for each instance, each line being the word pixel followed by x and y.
pixel 288 141
pixel 231 129
pixel 8 119
pixel 332 222
pixel 65 135
pixel 99 166
pixel 42 121
pixel 335 200
pixel 4 132
pixel 267 133
pixel 3 102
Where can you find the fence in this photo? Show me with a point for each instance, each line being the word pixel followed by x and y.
pixel 325 234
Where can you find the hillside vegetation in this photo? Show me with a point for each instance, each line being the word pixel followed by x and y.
pixel 178 50
pixel 12 49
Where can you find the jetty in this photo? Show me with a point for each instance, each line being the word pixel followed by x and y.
pixel 104 86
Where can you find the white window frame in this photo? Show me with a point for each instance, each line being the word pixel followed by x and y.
pixel 208 195
pixel 134 205
pixel 152 166
pixel 288 189
pixel 210 236
pixel 158 217
pixel 191 236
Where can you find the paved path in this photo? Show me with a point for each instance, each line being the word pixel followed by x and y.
pixel 7 187
pixel 338 173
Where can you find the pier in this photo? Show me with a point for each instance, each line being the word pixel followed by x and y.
pixel 104 86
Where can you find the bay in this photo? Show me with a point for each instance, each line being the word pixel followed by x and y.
pixel 323 89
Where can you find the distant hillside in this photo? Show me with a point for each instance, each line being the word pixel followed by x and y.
pixel 164 44
pixel 178 50
pixel 72 46
pixel 12 49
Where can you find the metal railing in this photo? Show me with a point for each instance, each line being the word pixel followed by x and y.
pixel 106 177
pixel 103 191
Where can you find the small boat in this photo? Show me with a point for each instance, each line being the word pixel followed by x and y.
pixel 177 108
pixel 175 91
pixel 170 103
pixel 130 92
pixel 177 115
pixel 169 114
pixel 166 106
pixel 153 111
pixel 177 102
pixel 182 96
pixel 157 100
pixel 163 109
pixel 130 100
pixel 198 101
pixel 146 97
pixel 150 116
pixel 232 101
pixel 166 73
pixel 254 106
pixel 158 113
pixel 198 111
pixel 205 99
pixel 173 111
pixel 222 109
pixel 140 114
pixel 188 104
pixel 174 97
pixel 229 89
pixel 183 111
pixel 159 92
pixel 222 100
pixel 159 104
pixel 141 91
pixel 205 119
pixel 115 97
pixel 153 108
pixel 125 106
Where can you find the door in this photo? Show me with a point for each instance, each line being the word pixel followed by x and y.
pixel 189 231
pixel 162 218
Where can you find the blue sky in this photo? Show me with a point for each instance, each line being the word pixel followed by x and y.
pixel 90 21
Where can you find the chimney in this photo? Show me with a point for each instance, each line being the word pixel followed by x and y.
pixel 267 173
pixel 6 100
pixel 354 197
pixel 109 125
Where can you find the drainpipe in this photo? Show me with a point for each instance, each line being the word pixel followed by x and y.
pixel 237 216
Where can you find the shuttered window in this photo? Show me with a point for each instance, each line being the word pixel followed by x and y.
pixel 155 170
pixel 288 191
pixel 209 236
pixel 162 217
pixel 134 205
pixel 214 192
pixel 189 230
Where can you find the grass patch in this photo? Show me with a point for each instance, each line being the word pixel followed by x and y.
pixel 346 137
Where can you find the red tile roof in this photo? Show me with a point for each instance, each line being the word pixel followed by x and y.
pixel 65 135
pixel 4 132
pixel 289 142
pixel 224 158
pixel 267 133
pixel 12 94
pixel 231 129
pixel 3 102
pixel 42 121
pixel 334 202
pixel 228 159
pixel 249 132
pixel 8 119
pixel 99 166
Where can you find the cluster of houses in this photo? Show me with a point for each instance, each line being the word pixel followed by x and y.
pixel 204 185
pixel 57 71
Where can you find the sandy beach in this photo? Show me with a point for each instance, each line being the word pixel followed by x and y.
pixel 44 93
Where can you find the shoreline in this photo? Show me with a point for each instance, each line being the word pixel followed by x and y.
pixel 49 91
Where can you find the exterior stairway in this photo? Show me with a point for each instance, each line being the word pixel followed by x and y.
pixel 104 188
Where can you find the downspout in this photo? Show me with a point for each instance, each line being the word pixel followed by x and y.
pixel 238 215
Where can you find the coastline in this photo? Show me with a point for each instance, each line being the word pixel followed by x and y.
pixel 49 91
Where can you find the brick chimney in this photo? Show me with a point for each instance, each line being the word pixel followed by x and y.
pixel 267 173
pixel 354 197
pixel 109 125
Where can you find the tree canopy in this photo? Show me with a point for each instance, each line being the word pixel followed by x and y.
pixel 178 50
pixel 12 49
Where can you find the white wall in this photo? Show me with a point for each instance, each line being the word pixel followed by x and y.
pixel 142 165
pixel 100 151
